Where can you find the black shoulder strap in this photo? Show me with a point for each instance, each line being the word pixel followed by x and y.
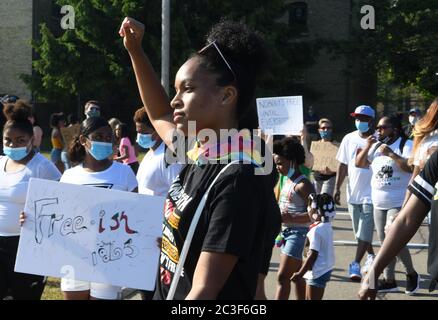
pixel 402 144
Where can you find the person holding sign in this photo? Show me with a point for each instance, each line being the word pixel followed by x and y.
pixel 215 88
pixel 19 164
pixel 92 149
pixel 388 156
pixel 325 179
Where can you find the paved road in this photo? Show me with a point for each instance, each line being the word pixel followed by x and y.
pixel 340 287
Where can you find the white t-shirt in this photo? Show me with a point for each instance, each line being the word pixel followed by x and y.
pixel 422 154
pixel 118 176
pixel 359 187
pixel 389 182
pixel 321 240
pixel 13 190
pixel 153 177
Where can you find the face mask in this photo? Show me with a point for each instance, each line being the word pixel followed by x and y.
pixel 362 126
pixel 16 153
pixel 101 150
pixel 93 112
pixel 145 140
pixel 325 134
pixel 291 172
pixel 412 120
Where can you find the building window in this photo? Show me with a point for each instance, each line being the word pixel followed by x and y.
pixel 298 17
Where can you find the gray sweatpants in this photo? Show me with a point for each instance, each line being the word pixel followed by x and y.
pixel 380 218
pixel 327 186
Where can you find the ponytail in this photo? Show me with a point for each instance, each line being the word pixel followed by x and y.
pixel 76 151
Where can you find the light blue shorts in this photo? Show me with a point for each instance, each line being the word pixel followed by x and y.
pixel 362 216
pixel 295 238
pixel 321 281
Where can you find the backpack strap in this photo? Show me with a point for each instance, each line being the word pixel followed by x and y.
pixel 402 144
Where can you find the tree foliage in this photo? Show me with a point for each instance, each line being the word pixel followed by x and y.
pixel 90 61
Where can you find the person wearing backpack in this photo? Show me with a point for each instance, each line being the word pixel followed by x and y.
pixel 387 153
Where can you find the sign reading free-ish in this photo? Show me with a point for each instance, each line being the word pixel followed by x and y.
pixel 90 234
pixel 281 115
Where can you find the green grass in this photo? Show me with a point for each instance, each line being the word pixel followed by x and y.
pixel 52 291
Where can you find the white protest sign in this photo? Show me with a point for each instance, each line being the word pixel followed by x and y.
pixel 90 234
pixel 281 115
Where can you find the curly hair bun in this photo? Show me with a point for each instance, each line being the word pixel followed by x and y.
pixel 18 111
pixel 240 44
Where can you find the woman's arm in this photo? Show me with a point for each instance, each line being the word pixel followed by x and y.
pixel 152 94
pixel 400 161
pixel 211 273
pixel 402 230
pixel 125 155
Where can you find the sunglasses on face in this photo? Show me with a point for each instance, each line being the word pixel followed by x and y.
pixel 326 128
pixel 383 127
pixel 220 53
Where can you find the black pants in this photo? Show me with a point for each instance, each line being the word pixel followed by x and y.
pixel 15 285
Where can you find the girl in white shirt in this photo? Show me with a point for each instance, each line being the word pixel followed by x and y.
pixel 318 266
pixel 92 149
pixel 19 164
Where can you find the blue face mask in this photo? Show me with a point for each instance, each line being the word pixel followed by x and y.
pixel 362 126
pixel 145 140
pixel 325 134
pixel 16 153
pixel 291 172
pixel 101 150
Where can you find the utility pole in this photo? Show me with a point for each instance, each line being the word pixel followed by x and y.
pixel 165 44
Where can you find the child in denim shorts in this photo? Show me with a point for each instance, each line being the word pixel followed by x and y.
pixel 318 266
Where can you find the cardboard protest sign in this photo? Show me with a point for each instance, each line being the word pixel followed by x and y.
pixel 90 234
pixel 281 115
pixel 69 133
pixel 324 155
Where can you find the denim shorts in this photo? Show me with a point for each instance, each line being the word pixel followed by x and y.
pixel 295 238
pixel 321 281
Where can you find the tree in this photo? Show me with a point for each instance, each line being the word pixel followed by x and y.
pixel 90 61
pixel 402 50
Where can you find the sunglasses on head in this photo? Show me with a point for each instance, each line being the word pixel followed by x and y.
pixel 220 53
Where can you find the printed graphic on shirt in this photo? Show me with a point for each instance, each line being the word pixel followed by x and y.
pixel 176 202
pixel 100 185
pixel 384 168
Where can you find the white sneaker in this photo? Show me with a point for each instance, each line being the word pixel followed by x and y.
pixel 368 263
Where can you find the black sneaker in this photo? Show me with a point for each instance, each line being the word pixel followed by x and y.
pixel 412 283
pixel 385 286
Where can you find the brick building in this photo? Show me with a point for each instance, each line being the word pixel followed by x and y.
pixel 19 20
pixel 340 81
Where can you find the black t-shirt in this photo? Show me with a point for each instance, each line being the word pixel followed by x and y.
pixel 424 187
pixel 239 218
